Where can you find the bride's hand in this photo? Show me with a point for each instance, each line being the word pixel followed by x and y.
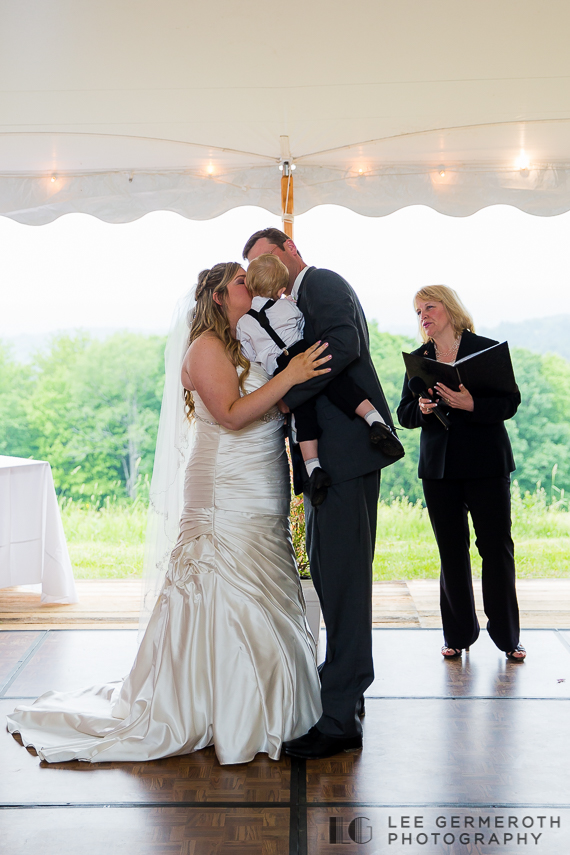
pixel 308 364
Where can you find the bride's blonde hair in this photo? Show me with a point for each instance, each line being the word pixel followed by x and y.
pixel 210 316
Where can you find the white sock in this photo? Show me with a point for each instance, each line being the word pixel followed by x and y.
pixel 373 416
pixel 312 464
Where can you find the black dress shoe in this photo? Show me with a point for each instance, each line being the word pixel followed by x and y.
pixel 319 482
pixel 315 744
pixel 385 438
pixel 360 711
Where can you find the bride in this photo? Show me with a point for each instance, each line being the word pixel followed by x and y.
pixel 227 659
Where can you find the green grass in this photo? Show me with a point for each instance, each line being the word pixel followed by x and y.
pixel 108 543
pixel 405 546
pixel 105 543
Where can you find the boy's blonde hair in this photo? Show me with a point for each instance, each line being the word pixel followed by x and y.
pixel 266 276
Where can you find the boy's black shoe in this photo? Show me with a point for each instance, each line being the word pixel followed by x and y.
pixel 319 482
pixel 385 438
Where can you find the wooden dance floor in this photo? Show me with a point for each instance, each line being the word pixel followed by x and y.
pixel 468 756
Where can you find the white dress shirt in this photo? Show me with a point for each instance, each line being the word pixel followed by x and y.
pixel 287 321
pixel 297 284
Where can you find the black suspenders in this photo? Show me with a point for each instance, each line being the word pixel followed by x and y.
pixel 263 322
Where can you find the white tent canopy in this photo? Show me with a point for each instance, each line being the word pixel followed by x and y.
pixel 120 108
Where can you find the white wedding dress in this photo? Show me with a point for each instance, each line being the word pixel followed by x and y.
pixel 227 658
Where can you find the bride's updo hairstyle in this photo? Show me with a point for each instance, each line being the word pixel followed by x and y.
pixel 457 313
pixel 208 316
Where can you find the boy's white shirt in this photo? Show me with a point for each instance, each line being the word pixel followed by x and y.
pixel 287 321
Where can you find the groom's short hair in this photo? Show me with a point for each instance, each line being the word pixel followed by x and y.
pixel 274 236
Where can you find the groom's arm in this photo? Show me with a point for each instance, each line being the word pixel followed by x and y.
pixel 330 306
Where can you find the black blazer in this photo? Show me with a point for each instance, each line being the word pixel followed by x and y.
pixel 477 444
pixel 333 313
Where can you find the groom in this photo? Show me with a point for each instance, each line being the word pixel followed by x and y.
pixel 341 532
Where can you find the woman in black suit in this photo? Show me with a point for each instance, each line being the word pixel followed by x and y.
pixel 465 468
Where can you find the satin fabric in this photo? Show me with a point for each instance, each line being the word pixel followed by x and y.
pixel 227 658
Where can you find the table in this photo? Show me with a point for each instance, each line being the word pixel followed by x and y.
pixel 32 541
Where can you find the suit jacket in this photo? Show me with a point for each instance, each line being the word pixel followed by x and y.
pixel 477 444
pixel 333 314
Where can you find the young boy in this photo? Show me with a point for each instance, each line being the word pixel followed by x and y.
pixel 272 333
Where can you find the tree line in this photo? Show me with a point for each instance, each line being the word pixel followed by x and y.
pixel 91 409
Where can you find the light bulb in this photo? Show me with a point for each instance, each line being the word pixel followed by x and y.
pixel 53 179
pixel 210 169
pixel 522 162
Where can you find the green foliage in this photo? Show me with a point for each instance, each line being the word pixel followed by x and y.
pixel 540 431
pixel 400 479
pixel 17 437
pixel 91 409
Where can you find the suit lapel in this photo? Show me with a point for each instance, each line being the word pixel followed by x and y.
pixel 309 333
pixel 301 292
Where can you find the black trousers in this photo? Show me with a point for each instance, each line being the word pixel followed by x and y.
pixel 341 535
pixel 342 391
pixel 489 502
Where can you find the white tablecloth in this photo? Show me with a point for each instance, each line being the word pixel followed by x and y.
pixel 32 542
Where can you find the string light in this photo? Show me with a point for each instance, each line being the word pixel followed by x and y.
pixel 53 179
pixel 442 172
pixel 522 162
pixel 361 170
pixel 210 169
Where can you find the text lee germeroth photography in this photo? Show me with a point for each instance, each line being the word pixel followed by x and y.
pixel 455 832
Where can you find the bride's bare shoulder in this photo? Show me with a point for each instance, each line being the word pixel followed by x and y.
pixel 205 343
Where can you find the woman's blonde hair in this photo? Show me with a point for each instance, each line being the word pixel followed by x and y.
pixel 458 314
pixel 210 316
pixel 266 276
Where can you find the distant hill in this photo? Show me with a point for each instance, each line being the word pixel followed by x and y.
pixel 543 335
pixel 25 345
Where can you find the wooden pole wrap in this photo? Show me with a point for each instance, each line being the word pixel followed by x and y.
pixel 287 208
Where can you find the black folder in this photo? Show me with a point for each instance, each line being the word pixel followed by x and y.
pixel 487 373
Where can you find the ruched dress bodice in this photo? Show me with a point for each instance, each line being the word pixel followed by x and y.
pixel 227 658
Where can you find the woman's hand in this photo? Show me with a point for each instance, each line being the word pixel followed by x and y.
pixel 307 364
pixel 462 400
pixel 427 404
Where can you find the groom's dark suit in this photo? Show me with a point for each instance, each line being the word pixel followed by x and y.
pixel 341 532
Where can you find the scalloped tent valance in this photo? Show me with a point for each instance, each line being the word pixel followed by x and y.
pixel 119 109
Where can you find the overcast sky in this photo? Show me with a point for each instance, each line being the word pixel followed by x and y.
pixel 81 272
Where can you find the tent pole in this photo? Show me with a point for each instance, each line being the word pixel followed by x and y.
pixel 286 167
pixel 287 199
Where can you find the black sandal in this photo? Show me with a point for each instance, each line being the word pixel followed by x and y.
pixel 510 654
pixel 454 652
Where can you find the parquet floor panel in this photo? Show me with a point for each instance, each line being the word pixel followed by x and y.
pixel 70 659
pixel 191 778
pixel 146 831
pixel 478 738
pixel 13 646
pixel 408 663
pixel 445 752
